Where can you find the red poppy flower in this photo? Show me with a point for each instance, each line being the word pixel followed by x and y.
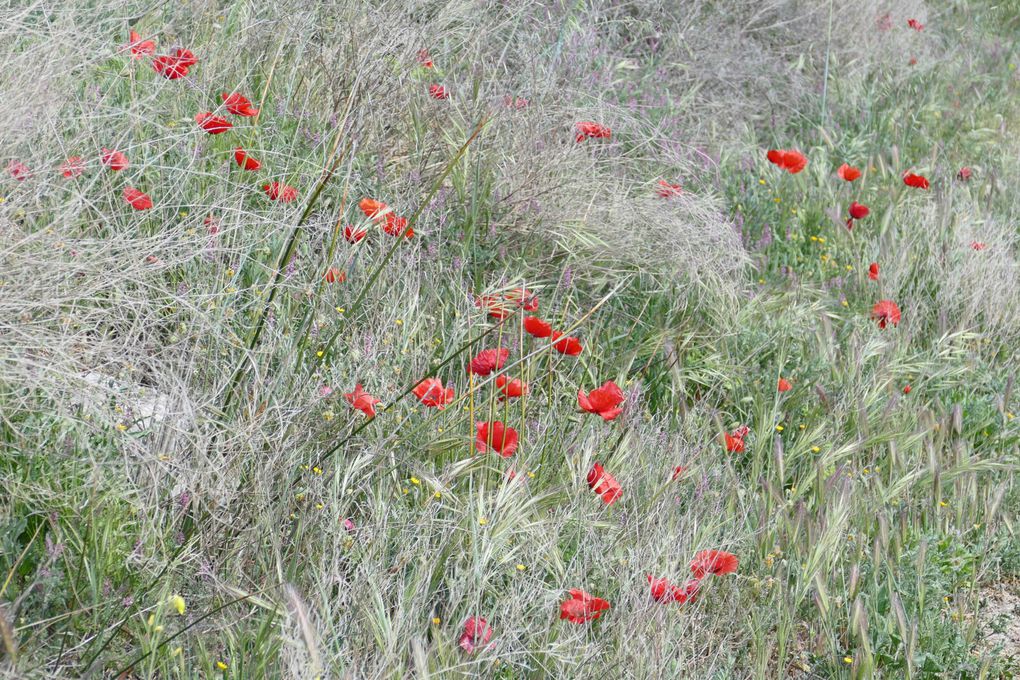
pixel 280 192
pixel 604 400
pixel 488 360
pixel 913 61
pixel 586 129
pixel 664 591
pixel 374 209
pixel 395 226
pixel 495 305
pixel 115 160
pixel 679 471
pixel 424 59
pixel 667 190
pixel 523 298
pixel 334 275
pixel 245 161
pixel 858 211
pixel 565 344
pixel 238 104
pixel 19 170
pixel 174 66
pixel 916 181
pixel 915 24
pixel 537 328
pixel 716 562
pixel 362 400
pixel 885 311
pixel 604 484
pixel 185 57
pixel 873 271
pixel 964 174
pixel 497 437
pixel 477 632
pixel 784 385
pixel 354 235
pixel 906 389
pixel 72 167
pixel 431 392
pixel 978 245
pixel 139 48
pixel 735 439
pixel 848 172
pixel 214 125
pixel 511 389
pixel 515 102
pixel 212 223
pixel 582 607
pixel 791 160
pixel 438 92
pixel 137 199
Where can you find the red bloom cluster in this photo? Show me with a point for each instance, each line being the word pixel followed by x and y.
pixel 496 437
pixel 604 484
pixel 848 172
pixel 791 160
pixel 665 591
pixel 582 607
pixel 362 400
pixel 589 129
pixel 604 401
pixel 735 439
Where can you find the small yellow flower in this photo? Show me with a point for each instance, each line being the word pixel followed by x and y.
pixel 943 504
pixel 230 272
pixel 222 666
pixel 777 199
pixel 815 449
pixel 299 497
pixel 436 621
pixel 482 521
pixel 319 353
pixel 521 567
pixel 437 495
pixel 821 239
pixel 779 428
pixel 340 310
pixel 319 506
pixel 844 303
pixel 121 426
pixel 176 651
pixel 317 470
pixel 761 181
pixel 327 416
pixel 848 659
pixel 399 322
pixel 531 475
pixel 178 603
pixel 415 481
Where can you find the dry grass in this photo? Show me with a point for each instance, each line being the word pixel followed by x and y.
pixel 163 416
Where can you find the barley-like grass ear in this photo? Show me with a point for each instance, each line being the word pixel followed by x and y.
pixel 299 615
pixel 8 635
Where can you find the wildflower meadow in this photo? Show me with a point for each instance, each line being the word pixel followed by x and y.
pixel 473 338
